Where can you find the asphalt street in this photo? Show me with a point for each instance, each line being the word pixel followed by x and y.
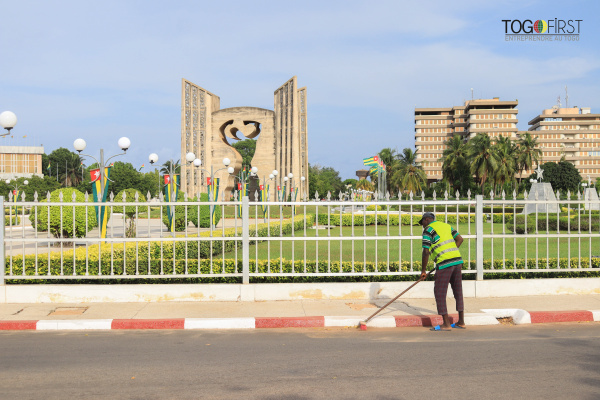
pixel 547 361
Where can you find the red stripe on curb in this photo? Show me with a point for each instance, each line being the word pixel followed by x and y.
pixel 17 325
pixel 290 322
pixel 421 320
pixel 538 317
pixel 177 323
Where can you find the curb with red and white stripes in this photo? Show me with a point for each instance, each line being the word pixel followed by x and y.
pixel 487 317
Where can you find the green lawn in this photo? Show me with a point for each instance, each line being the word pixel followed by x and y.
pixel 371 250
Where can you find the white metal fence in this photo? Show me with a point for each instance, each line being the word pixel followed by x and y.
pixel 327 239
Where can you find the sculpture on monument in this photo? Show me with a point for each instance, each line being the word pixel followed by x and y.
pixel 281 138
pixel 541 191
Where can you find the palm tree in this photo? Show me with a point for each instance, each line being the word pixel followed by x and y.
pixel 364 184
pixel 72 176
pixel 529 153
pixel 409 176
pixel 390 158
pixel 506 161
pixel 166 168
pixel 482 158
pixel 454 160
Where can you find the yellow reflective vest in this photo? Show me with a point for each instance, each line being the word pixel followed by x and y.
pixel 443 247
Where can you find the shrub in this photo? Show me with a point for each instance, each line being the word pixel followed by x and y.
pixel 373 208
pixel 204 220
pixel 129 212
pixel 552 223
pixel 384 219
pixel 180 214
pixel 11 220
pixel 85 216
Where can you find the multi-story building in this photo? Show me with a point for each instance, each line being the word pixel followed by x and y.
pixel 572 133
pixel 433 126
pixel 20 161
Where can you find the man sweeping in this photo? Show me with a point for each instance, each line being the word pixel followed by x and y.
pixel 442 242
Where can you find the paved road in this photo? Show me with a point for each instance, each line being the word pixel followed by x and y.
pixel 500 362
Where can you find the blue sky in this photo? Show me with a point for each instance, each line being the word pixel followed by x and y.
pixel 102 70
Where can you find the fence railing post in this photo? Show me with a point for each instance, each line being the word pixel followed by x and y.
pixel 479 232
pixel 2 249
pixel 245 240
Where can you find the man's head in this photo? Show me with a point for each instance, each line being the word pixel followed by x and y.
pixel 427 218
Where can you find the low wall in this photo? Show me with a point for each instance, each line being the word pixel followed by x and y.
pixel 287 291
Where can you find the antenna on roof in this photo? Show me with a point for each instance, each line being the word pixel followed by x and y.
pixel 566 97
pixel 558 101
pixel 471 93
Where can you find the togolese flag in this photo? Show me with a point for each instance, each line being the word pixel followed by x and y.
pixel 101 212
pixel 168 197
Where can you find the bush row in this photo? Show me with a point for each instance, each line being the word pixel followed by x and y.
pixel 384 219
pixel 553 223
pixel 145 252
pixel 168 266
pixel 11 221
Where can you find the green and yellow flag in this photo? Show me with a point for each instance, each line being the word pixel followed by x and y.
pixel 101 212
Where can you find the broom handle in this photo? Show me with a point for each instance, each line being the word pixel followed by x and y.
pixel 395 298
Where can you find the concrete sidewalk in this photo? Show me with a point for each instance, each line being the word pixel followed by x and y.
pixel 300 313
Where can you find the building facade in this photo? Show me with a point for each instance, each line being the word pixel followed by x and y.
pixel 433 126
pixel 20 161
pixel 572 133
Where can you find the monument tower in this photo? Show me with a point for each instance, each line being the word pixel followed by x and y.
pixel 281 138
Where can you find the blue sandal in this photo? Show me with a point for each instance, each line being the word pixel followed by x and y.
pixel 457 326
pixel 439 328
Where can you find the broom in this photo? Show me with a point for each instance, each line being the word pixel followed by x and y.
pixel 363 324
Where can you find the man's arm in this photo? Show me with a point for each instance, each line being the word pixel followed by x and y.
pixel 424 262
pixel 458 240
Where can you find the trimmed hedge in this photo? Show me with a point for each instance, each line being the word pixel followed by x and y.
pixel 382 219
pixel 11 221
pixel 552 223
pixel 229 266
pixel 153 250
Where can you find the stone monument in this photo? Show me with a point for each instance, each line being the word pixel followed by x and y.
pixel 281 139
pixel 541 191
pixel 592 202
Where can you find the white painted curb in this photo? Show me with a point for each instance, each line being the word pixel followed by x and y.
pixel 219 323
pixel 377 322
pixel 480 319
pixel 596 314
pixel 519 316
pixel 73 324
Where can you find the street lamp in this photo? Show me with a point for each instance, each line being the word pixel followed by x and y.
pixel 8 120
pixel 16 187
pixel 80 145
pixel 189 157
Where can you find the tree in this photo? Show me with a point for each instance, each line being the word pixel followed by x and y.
pixel 506 162
pixel 529 155
pixel 364 184
pixel 67 165
pixel 350 183
pixel 324 180
pixel 562 176
pixel 40 185
pixel 166 168
pixel 124 176
pixel 246 148
pixel 409 177
pixel 482 158
pixel 455 168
